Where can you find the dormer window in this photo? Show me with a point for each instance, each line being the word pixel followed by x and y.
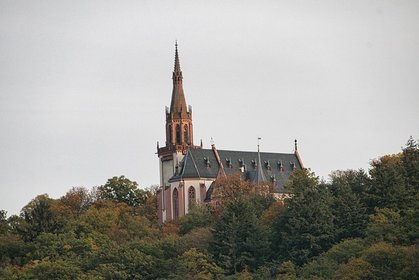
pixel 241 162
pixel 292 164
pixel 273 179
pixel 207 162
pixel 254 163
pixel 267 165
pixel 229 163
pixel 280 166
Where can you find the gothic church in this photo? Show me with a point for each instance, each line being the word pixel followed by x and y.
pixel 187 171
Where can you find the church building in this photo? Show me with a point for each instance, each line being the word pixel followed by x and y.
pixel 187 171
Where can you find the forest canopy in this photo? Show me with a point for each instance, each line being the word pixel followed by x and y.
pixel 357 225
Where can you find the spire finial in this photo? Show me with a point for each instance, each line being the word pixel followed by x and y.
pixel 260 176
pixel 295 145
pixel 177 63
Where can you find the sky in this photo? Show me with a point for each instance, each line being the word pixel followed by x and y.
pixel 84 85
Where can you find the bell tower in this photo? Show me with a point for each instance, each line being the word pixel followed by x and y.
pixel 179 128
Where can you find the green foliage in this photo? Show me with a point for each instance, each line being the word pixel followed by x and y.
pixel 12 250
pixel 199 238
pixel 410 162
pixel 37 217
pixel 324 266
pixel 121 189
pixel 75 202
pixel 382 261
pixel 54 270
pixel 388 188
pixel 357 226
pixel 355 269
pixel 194 264
pixel 4 224
pixel 306 227
pixel 385 226
pixel 350 218
pixel 198 216
pixel 286 271
pixel 239 240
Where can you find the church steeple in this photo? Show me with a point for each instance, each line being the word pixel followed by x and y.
pixel 178 103
pixel 179 129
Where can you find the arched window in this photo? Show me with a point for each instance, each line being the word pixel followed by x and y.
pixel 185 134
pixel 177 134
pixel 169 133
pixel 175 204
pixel 191 196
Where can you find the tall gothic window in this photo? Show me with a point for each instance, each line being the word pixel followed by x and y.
pixel 169 133
pixel 191 196
pixel 177 134
pixel 185 134
pixel 175 204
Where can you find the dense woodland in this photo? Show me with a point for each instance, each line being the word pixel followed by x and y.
pixel 357 225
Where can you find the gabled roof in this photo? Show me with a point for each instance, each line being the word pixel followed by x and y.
pixel 202 164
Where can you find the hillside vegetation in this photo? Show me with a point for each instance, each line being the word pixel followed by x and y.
pixel 357 225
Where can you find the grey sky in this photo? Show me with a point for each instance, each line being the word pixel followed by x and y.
pixel 84 84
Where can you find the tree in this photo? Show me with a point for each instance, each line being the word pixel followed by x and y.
pixel 239 240
pixel 355 269
pixel 410 162
pixel 388 188
pixel 198 216
pixel 325 265
pixel 391 262
pixel 56 270
pixel 121 189
pixel 390 226
pixel 306 227
pixel 194 264
pixel 350 216
pixel 286 271
pixel 75 202
pixel 37 217
pixel 4 224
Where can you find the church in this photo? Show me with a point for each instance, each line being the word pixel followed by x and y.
pixel 187 171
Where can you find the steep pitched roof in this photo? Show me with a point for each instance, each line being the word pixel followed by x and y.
pixel 202 164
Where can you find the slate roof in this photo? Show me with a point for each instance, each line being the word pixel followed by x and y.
pixel 202 164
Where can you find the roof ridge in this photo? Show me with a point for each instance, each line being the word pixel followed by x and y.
pixel 238 151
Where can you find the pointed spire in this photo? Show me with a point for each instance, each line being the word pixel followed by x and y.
pixel 178 104
pixel 177 63
pixel 297 154
pixel 260 176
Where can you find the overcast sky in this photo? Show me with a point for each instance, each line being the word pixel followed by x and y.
pixel 84 84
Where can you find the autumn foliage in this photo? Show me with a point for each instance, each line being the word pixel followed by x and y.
pixel 356 225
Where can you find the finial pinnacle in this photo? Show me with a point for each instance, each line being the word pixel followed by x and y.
pixel 177 63
pixel 295 145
